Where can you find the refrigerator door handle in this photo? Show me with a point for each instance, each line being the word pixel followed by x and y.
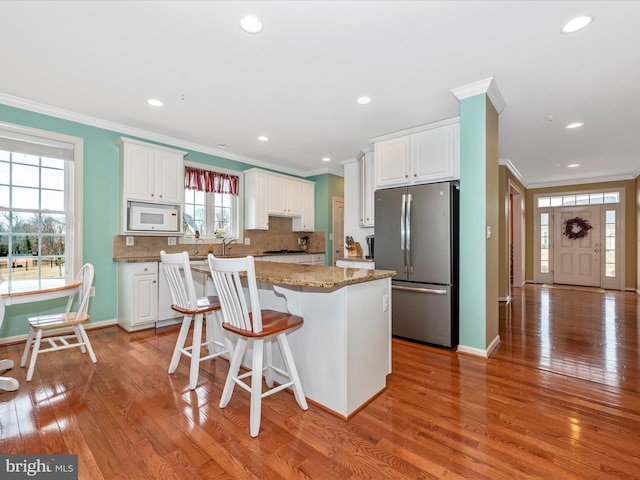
pixel 408 222
pixel 419 290
pixel 403 232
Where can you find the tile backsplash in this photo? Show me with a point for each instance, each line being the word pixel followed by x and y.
pixel 278 237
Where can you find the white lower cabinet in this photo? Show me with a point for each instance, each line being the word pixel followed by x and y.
pixel 137 295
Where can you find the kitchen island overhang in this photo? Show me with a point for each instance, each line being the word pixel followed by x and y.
pixel 343 349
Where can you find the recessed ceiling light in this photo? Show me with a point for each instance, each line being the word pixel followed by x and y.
pixel 363 100
pixel 262 138
pixel 155 102
pixel 573 165
pixel 326 159
pixel 575 125
pixel 251 24
pixel 576 24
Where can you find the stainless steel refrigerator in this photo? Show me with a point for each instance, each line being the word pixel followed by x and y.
pixel 417 236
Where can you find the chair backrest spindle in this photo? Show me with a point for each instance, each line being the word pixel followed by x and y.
pixel 225 273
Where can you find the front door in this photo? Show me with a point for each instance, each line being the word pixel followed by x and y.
pixel 577 260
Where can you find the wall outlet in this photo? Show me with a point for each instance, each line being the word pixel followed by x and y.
pixel 247 241
pixel 171 240
pixel 129 241
pixel 92 292
pixel 385 303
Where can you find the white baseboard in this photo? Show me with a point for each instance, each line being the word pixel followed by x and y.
pixel 478 352
pixel 88 326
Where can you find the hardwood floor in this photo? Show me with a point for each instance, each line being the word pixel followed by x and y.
pixel 559 398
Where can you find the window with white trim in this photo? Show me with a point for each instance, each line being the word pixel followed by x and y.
pixel 212 203
pixel 39 235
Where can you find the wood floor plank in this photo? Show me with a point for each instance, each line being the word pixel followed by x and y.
pixel 559 398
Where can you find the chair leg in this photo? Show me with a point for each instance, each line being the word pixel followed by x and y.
pixel 195 352
pixel 79 338
pixel 87 343
pixel 234 368
pixel 34 355
pixel 268 378
pixel 291 370
pixel 210 333
pixel 27 347
pixel 256 387
pixel 182 336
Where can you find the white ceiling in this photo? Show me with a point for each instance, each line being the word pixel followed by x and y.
pixel 297 81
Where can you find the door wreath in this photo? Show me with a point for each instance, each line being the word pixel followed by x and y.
pixel 576 228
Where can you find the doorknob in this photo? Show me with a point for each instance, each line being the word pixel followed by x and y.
pixel 597 250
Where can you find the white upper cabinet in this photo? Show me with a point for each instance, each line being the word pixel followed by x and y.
pixel 279 195
pixel 366 197
pixel 151 173
pixel 392 162
pixel 285 196
pixel 435 154
pixel 306 221
pixel 430 153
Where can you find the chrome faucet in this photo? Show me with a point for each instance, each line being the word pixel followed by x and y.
pixel 198 240
pixel 227 244
pixel 197 235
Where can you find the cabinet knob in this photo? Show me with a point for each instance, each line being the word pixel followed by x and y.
pixel 152 194
pixel 406 176
pixel 146 269
pixel 415 174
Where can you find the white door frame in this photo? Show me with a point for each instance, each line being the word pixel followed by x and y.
pixel 613 283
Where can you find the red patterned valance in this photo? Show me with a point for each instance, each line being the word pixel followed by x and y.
pixel 209 181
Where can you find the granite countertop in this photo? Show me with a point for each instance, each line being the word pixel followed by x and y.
pixel 311 275
pixel 156 258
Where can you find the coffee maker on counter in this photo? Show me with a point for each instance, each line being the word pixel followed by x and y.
pixel 369 247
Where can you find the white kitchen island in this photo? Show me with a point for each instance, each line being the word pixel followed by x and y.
pixel 343 349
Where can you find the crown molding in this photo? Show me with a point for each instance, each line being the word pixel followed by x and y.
pixel 487 86
pixel 512 168
pixel 120 128
pixel 579 181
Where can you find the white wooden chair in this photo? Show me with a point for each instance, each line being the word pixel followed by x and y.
pixel 255 326
pixel 7 384
pixel 57 326
pixel 177 270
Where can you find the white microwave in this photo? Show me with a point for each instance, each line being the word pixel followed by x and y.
pixel 152 217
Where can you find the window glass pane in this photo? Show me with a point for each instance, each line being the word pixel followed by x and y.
pixel 544 243
pixel 25 198
pixel 568 200
pixel 610 216
pixel 610 243
pixel 4 172
pixel 612 197
pixel 25 176
pixel 52 200
pixel 582 199
pixel 595 198
pixel 53 179
pixel 556 201
pixel 544 202
pixel 4 155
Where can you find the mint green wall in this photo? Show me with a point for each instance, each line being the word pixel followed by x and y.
pixel 473 293
pixel 327 187
pixel 100 211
